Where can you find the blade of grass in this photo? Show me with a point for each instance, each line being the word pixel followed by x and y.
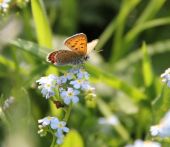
pixel 132 34
pixel 156 48
pixel 147 67
pixel 126 8
pixel 44 34
pixel 104 37
pixel 150 11
pixel 103 107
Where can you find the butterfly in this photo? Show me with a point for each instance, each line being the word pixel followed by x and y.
pixel 77 53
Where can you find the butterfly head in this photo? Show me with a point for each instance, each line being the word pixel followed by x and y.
pixel 86 57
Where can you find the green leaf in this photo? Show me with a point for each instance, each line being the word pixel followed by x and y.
pixel 126 8
pixel 43 30
pixel 147 67
pixel 104 37
pixel 73 139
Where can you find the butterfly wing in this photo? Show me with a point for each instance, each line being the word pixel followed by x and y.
pixel 77 43
pixel 91 45
pixel 64 57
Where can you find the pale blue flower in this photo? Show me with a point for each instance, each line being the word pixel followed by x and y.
pixel 166 77
pixel 163 128
pixel 67 76
pixel 59 138
pixel 70 96
pixel 54 123
pixel 80 83
pixel 82 74
pixel 47 85
pixel 61 127
pixel 74 70
pixel 45 121
pixel 140 143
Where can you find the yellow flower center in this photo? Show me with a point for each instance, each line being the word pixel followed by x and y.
pixel 60 125
pixel 79 81
pixel 1 1
pixel 70 94
pixel 48 85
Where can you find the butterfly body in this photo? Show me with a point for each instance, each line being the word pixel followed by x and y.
pixel 77 53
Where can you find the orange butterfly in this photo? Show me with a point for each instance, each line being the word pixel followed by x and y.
pixel 77 53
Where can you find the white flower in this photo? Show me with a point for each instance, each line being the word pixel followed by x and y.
pixel 140 143
pixel 7 103
pixel 45 121
pixel 47 85
pixel 166 77
pixel 163 128
pixel 112 120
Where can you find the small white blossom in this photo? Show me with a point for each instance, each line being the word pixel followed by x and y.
pixel 45 121
pixel 7 103
pixel 140 143
pixel 163 128
pixel 48 85
pixel 166 77
pixel 112 120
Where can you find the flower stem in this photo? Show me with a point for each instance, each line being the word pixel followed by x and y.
pixel 53 141
pixel 68 111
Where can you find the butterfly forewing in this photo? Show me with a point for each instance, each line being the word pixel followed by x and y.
pixel 77 43
pixel 64 57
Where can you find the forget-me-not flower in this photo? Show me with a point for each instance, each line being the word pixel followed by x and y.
pixel 60 126
pixel 80 83
pixel 48 85
pixel 166 77
pixel 141 143
pixel 45 121
pixel 70 96
pixel 163 128
pixel 82 74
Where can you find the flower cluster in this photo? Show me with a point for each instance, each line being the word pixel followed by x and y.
pixel 69 85
pixel 140 143
pixel 64 90
pixel 163 128
pixel 53 123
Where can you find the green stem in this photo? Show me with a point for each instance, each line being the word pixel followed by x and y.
pixel 68 111
pixel 53 144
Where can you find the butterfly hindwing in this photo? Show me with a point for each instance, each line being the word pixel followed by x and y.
pixel 77 43
pixel 64 57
